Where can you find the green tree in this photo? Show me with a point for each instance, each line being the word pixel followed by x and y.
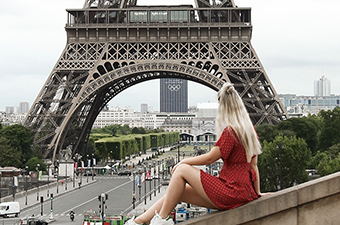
pixel 327 162
pixel 267 132
pixel 125 130
pixel 20 139
pixel 8 155
pixel 329 133
pixel 33 162
pixel 303 127
pixel 283 163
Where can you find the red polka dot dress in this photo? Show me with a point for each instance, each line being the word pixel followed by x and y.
pixel 234 185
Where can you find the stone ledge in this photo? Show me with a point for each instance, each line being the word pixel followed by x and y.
pixel 295 205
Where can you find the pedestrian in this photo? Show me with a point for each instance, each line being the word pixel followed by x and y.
pixel 238 181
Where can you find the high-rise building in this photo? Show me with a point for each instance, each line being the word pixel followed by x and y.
pixel 144 108
pixel 322 87
pixel 9 109
pixel 173 95
pixel 23 107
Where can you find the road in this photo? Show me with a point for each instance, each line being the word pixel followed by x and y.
pixel 119 190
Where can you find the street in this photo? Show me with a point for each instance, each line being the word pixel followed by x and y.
pixel 119 190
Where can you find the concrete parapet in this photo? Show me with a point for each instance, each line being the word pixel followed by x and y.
pixel 311 203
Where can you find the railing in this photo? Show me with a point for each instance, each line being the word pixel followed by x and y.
pixel 158 16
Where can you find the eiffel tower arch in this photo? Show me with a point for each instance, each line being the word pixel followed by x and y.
pixel 115 44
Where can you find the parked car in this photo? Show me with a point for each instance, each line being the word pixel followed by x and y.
pixel 124 173
pixel 9 208
pixel 32 220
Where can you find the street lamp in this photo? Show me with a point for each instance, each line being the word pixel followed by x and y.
pixel 92 165
pixel 48 178
pixel 66 175
pixel 57 170
pixel 26 175
pixel 37 169
pixel 0 185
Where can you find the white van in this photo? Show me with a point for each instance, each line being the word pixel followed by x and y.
pixel 9 208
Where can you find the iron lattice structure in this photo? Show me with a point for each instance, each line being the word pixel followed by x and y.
pixel 113 45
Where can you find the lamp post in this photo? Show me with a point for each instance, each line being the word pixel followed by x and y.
pixel 0 185
pixel 37 169
pixel 92 165
pixel 48 178
pixel 57 170
pixel 66 174
pixel 74 172
pixel 26 175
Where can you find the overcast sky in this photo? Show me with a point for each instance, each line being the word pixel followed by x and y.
pixel 296 41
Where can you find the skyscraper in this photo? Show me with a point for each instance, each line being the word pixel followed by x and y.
pixel 174 95
pixel 23 107
pixel 322 87
pixel 144 108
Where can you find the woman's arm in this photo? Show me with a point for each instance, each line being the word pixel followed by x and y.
pixel 204 159
pixel 253 165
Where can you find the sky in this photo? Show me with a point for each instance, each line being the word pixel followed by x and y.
pixel 297 43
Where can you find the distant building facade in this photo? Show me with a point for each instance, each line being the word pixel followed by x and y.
pixel 304 105
pixel 173 95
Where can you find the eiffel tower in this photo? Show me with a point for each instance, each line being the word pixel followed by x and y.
pixel 115 44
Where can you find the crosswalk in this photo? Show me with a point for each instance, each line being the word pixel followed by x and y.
pixel 55 215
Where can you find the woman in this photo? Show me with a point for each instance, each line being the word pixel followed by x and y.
pixel 238 182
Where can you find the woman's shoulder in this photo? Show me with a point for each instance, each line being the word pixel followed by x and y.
pixel 229 130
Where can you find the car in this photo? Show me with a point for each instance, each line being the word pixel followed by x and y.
pixel 33 220
pixel 124 173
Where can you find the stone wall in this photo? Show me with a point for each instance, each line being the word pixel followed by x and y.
pixel 312 203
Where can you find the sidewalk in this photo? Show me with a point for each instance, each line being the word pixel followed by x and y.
pixel 142 207
pixel 33 196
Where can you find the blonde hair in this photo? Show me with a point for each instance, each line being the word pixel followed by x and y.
pixel 232 112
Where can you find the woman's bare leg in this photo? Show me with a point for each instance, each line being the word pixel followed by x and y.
pixel 186 184
pixel 177 191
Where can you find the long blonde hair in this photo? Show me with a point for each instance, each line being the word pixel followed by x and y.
pixel 232 112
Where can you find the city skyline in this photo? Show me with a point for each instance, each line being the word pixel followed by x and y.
pixel 294 45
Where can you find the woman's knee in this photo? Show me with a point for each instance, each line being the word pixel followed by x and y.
pixel 183 169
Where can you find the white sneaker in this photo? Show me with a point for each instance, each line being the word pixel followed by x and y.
pixel 157 220
pixel 131 221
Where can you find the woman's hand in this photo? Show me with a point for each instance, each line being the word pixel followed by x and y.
pixel 264 194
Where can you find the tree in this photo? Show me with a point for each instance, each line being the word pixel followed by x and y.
pixel 327 162
pixel 303 127
pixel 125 130
pixel 267 132
pixel 283 163
pixel 8 155
pixel 329 133
pixel 33 162
pixel 20 139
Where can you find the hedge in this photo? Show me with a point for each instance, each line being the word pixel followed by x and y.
pixel 130 144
